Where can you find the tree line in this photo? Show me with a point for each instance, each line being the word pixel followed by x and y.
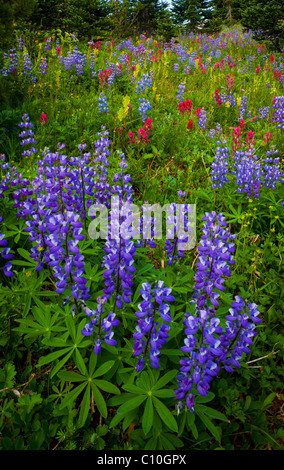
pixel 100 18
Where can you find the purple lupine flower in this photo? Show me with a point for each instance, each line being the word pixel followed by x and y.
pixel 271 171
pixel 47 45
pixel 144 107
pixel 216 250
pixel 243 107
pixel 181 90
pixel 147 228
pixel 10 62
pixel 101 328
pixel 263 112
pixel 202 119
pixel 27 135
pixel 52 209
pixel 278 115
pixel 145 81
pixel 28 68
pixel 102 194
pixel 239 333
pixel 248 172
pixel 20 44
pixel 119 246
pixel 102 103
pixel 213 132
pixel 9 177
pixel 92 64
pixel 43 65
pixel 5 254
pixel 177 230
pixel 74 60
pixel 154 304
pixel 220 168
pixel 228 98
pixel 207 345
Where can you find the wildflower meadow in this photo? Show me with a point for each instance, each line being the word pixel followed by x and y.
pixel 116 334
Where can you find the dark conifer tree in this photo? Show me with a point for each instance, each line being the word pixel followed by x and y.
pixel 192 13
pixel 13 12
pixel 266 19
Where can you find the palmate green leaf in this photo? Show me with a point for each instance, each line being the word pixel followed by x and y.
pixel 30 328
pixel 53 356
pixel 103 369
pixel 165 414
pixel 26 255
pixel 119 399
pixel 19 262
pixel 61 363
pixel 175 441
pixel 92 362
pixel 190 418
pixel 165 379
pixel 107 386
pixel 71 327
pixel 209 425
pixel 180 289
pixel 134 389
pixel 80 362
pixel 40 323
pixel 99 400
pixel 116 419
pixel 128 419
pixel 165 393
pixel 186 278
pixel 56 342
pixel 70 376
pixel 211 412
pixel 85 406
pixel 166 443
pixel 28 299
pixel 71 396
pixel 209 397
pixel 148 416
pixel 152 444
pixel 145 382
pixel 131 404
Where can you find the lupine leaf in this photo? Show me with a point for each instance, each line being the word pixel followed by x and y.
pixel 107 386
pixel 209 425
pixel 211 412
pixel 70 376
pixel 103 369
pixel 85 406
pixel 131 404
pixel 147 419
pixel 99 400
pixel 71 396
pixel 165 414
pixel 165 379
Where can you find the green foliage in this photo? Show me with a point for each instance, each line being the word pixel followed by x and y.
pixel 192 14
pixel 87 18
pixel 55 393
pixel 265 18
pixel 12 14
